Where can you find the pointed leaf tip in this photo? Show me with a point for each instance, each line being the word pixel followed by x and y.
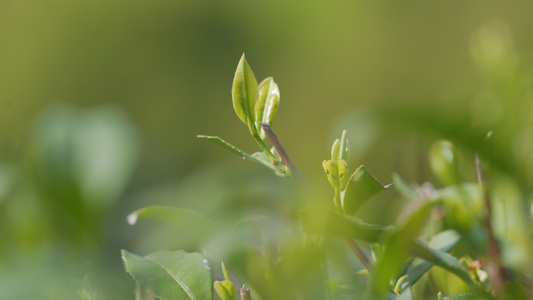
pixel 360 188
pixel 267 104
pixel 245 92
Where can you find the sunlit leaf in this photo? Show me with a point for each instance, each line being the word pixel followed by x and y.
pixel 360 188
pixel 225 289
pixel 245 92
pixel 171 275
pixel 341 148
pixel 324 221
pixel 336 171
pixel 267 105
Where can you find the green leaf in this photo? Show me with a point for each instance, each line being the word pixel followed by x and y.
pixel 182 220
pixel 267 105
pixel 445 261
pixel 324 221
pixel 171 275
pixel 265 161
pixel 444 241
pixel 399 246
pixel 404 188
pixel 336 171
pixel 245 92
pixel 443 162
pixel 341 148
pixel 360 188
pixel 225 272
pixel 225 290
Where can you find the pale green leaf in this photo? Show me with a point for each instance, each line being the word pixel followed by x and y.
pixel 245 92
pixel 171 275
pixel 225 290
pixel 336 171
pixel 267 105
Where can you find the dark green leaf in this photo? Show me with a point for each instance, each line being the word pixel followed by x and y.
pixel 171 275
pixel 445 261
pixel 399 247
pixel 444 241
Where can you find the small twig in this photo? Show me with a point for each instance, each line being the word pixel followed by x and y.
pixel 356 249
pixel 283 154
pixel 245 294
pixel 494 266
pixel 359 253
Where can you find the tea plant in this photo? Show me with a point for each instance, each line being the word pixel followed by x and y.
pixel 449 228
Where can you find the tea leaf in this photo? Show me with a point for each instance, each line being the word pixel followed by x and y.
pixel 336 171
pixel 245 92
pixel 171 275
pixel 267 105
pixel 360 188
pixel 444 241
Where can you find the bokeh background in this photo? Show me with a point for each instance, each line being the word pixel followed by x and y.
pixel 101 102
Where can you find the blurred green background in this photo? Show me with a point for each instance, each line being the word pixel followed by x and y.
pixel 101 102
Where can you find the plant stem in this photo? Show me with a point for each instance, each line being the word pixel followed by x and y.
pixel 356 249
pixel 359 253
pixel 283 154
pixel 494 266
pixel 337 201
pixel 260 141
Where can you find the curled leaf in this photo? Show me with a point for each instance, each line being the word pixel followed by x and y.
pixel 267 105
pixel 341 148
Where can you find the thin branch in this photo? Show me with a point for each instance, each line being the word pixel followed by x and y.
pixel 359 253
pixel 283 154
pixel 494 267
pixel 356 249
